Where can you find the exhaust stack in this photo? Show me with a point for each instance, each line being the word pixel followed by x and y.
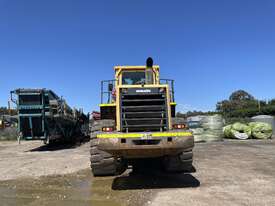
pixel 149 71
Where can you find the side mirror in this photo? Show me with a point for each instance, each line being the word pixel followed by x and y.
pixel 110 87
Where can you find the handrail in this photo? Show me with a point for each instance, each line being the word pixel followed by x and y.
pixel 105 90
pixel 171 83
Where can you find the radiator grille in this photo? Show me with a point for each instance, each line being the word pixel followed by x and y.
pixel 142 112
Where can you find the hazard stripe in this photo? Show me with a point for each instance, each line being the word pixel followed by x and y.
pixel 139 135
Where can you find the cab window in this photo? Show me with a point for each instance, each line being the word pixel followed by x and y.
pixel 133 77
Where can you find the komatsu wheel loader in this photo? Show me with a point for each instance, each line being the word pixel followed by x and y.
pixel 138 122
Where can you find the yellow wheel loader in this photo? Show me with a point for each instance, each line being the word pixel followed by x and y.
pixel 138 122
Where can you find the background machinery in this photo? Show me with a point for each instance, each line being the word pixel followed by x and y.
pixel 42 115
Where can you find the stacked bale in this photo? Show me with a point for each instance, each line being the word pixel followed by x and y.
pixel 198 134
pixel 194 124
pixel 213 127
pixel 206 128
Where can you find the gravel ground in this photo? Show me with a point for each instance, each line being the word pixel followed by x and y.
pixel 228 173
pixel 34 159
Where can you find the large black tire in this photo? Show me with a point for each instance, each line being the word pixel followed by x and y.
pixel 179 163
pixel 103 163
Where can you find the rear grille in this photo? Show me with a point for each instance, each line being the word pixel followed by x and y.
pixel 142 112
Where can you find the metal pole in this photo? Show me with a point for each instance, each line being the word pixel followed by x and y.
pixel 101 92
pixel 173 97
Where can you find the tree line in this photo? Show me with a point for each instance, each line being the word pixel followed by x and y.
pixel 240 104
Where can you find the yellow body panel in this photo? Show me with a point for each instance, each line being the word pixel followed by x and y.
pixel 172 134
pixel 107 105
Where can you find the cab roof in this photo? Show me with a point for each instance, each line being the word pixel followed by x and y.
pixel 134 67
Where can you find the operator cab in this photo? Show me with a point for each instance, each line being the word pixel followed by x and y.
pixel 139 76
pixel 135 80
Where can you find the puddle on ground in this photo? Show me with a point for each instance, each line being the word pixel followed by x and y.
pixel 68 190
pixel 82 189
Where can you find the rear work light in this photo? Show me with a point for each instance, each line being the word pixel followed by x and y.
pixel 179 126
pixel 107 129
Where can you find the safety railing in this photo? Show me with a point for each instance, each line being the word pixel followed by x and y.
pixel 170 82
pixel 107 87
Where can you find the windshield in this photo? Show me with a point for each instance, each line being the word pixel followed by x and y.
pixel 133 77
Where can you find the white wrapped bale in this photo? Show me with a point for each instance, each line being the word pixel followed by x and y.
pixel 213 127
pixel 206 128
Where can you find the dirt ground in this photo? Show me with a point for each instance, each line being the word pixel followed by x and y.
pixel 34 159
pixel 228 173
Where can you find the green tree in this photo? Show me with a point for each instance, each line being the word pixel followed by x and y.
pixel 241 104
pixel 241 95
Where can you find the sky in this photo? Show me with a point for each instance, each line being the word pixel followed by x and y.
pixel 210 48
